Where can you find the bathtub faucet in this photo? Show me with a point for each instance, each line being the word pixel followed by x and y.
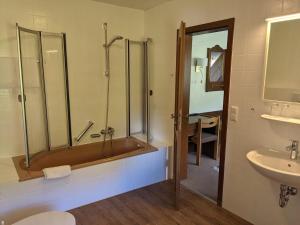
pixel 109 131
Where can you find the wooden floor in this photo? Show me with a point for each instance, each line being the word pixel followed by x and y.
pixel 153 205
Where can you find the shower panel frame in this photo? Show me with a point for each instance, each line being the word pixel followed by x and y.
pixel 66 81
pixel 146 93
pixel 22 96
pixel 22 88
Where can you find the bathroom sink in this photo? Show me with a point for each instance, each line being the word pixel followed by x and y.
pixel 276 165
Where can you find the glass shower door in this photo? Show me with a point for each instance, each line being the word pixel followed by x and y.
pixel 53 48
pixel 137 115
pixel 137 80
pixel 32 91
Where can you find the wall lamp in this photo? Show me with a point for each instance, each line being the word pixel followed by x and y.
pixel 200 63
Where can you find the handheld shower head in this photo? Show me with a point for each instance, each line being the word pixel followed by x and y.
pixel 118 37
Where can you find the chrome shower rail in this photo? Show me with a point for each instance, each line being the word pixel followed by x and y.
pixel 107 46
pixel 83 132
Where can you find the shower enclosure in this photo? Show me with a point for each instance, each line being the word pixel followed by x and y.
pixel 44 93
pixel 137 88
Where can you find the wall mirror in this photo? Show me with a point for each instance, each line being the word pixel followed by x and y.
pixel 282 67
pixel 215 69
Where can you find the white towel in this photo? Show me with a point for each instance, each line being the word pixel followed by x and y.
pixel 57 172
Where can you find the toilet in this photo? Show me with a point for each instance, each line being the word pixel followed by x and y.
pixel 49 218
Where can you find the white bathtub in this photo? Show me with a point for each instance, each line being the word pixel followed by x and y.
pixel 84 186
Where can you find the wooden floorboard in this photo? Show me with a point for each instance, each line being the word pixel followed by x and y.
pixel 153 205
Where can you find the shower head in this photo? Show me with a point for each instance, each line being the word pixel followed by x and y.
pixel 104 26
pixel 118 37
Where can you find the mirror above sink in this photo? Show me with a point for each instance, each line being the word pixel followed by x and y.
pixel 282 67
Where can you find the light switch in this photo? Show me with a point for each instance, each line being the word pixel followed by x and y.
pixel 234 113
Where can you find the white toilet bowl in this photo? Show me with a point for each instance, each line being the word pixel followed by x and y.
pixel 49 218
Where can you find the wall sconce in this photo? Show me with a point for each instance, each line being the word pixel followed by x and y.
pixel 200 63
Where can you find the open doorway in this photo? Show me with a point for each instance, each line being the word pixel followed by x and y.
pixel 208 50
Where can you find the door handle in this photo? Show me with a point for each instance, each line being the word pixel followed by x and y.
pixel 172 116
pixel 20 98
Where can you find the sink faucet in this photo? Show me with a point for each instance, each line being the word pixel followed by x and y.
pixel 294 149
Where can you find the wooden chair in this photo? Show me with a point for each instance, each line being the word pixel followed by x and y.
pixel 204 137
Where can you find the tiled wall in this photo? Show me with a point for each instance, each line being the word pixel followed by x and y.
pixel 246 192
pixel 81 20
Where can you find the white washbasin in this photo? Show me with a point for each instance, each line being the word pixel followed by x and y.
pixel 276 165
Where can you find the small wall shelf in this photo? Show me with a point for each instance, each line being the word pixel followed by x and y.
pixel 281 119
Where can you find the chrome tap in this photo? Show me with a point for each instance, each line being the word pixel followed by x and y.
pixel 109 131
pixel 294 149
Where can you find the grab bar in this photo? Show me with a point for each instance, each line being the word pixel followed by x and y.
pixel 78 138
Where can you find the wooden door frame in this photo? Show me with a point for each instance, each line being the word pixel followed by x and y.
pixel 185 108
pixel 180 119
pixel 227 24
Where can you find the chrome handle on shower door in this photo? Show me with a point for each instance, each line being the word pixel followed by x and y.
pixel 20 99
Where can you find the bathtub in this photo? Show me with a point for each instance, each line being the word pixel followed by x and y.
pixel 81 156
pixel 99 172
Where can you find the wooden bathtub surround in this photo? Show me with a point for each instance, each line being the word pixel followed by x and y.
pixel 81 156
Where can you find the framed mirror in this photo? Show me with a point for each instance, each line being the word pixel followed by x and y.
pixel 282 64
pixel 215 68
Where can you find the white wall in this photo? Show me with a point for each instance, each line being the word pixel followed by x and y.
pixel 200 100
pixel 81 20
pixel 246 192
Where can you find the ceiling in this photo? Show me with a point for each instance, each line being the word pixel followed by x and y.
pixel 136 4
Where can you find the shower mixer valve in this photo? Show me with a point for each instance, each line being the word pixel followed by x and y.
pixel 109 131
